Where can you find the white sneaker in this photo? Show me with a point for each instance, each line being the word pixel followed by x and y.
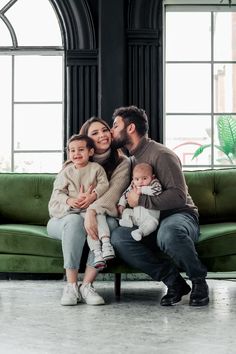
pixel 107 251
pixel 89 295
pixel 99 261
pixel 71 295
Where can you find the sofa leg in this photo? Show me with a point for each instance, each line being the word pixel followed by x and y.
pixel 117 284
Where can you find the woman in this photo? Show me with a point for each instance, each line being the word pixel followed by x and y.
pixel 72 229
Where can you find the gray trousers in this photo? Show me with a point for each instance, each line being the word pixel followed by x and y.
pixel 70 230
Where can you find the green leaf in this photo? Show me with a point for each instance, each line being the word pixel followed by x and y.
pixel 226 125
pixel 200 150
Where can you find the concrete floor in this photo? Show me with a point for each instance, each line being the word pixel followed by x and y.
pixel 32 321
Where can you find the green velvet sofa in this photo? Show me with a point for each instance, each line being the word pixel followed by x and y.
pixel 25 247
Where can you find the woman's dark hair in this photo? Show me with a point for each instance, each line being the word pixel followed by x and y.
pixel 115 157
pixel 135 115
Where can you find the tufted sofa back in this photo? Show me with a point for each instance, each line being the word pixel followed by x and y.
pixel 214 192
pixel 24 197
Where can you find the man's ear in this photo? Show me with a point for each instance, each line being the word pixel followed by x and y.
pixel 91 152
pixel 131 128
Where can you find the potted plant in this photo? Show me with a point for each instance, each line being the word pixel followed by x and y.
pixel 226 126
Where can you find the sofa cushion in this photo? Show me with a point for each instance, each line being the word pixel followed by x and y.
pixel 217 240
pixel 214 192
pixel 24 197
pixel 28 240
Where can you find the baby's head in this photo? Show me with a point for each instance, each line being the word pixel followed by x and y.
pixel 142 174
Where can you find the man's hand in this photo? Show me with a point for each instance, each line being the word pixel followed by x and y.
pixel 90 224
pixel 120 209
pixel 132 198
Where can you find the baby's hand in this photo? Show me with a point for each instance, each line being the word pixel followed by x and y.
pixel 137 190
pixel 73 202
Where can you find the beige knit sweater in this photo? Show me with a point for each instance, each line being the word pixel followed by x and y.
pixel 67 184
pixel 120 179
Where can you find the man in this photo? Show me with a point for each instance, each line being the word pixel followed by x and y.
pixel 179 226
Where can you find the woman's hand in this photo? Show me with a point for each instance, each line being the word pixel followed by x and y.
pixel 132 198
pixel 90 224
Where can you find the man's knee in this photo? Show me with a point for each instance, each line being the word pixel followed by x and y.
pixel 170 236
pixel 116 237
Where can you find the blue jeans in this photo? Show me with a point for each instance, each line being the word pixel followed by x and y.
pixel 70 230
pixel 175 237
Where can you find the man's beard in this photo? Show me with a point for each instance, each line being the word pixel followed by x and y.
pixel 121 141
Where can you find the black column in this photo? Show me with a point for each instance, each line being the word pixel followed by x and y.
pixel 111 61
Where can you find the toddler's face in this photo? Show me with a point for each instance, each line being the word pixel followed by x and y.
pixel 79 153
pixel 141 178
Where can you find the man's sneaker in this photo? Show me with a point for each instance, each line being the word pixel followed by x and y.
pixel 107 251
pixel 199 295
pixel 89 295
pixel 71 295
pixel 175 292
pixel 99 261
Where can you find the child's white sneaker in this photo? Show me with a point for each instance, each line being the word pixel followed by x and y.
pixel 99 261
pixel 137 235
pixel 89 295
pixel 71 295
pixel 107 251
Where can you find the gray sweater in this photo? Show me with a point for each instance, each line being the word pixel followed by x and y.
pixel 167 167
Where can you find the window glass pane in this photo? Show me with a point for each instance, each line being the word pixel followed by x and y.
pixel 38 127
pixel 225 36
pixel 38 78
pixel 37 162
pixel 225 140
pixel 225 87
pixel 5 112
pixel 185 38
pixel 35 23
pixel 188 88
pixel 5 37
pixel 185 134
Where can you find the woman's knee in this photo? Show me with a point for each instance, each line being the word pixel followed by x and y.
pixel 73 227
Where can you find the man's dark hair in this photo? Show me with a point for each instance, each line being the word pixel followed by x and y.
pixel 135 115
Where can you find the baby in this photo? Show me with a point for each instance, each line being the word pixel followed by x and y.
pixel 147 220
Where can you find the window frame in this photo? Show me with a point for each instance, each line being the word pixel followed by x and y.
pixel 15 50
pixel 199 6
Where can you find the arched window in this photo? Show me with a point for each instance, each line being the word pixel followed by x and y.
pixel 31 87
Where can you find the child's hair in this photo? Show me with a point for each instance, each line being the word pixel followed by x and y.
pixel 143 166
pixel 81 137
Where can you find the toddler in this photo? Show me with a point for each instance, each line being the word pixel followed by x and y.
pixel 77 175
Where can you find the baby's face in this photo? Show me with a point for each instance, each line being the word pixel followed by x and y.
pixel 141 178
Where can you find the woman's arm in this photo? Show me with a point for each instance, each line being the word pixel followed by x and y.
pixel 120 179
